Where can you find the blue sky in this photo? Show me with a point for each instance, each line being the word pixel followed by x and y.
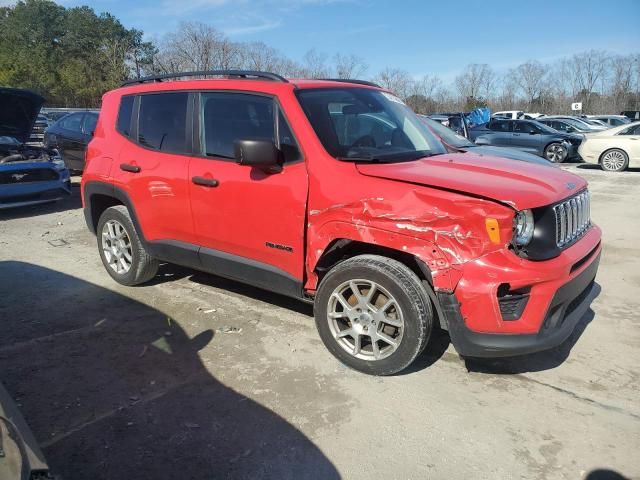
pixel 419 36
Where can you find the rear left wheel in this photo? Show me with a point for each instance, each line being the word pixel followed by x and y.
pixel 373 314
pixel 121 251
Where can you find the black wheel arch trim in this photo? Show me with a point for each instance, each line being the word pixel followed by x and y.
pixel 101 188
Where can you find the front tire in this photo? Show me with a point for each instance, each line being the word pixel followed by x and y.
pixel 555 152
pixel 614 160
pixel 121 251
pixel 373 314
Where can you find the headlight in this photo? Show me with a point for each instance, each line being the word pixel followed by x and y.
pixel 523 228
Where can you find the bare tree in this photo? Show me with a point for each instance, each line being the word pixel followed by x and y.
pixel 396 81
pixel 349 66
pixel 314 65
pixel 530 78
pixel 476 81
pixel 586 70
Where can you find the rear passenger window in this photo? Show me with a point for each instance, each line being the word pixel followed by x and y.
pixel 227 117
pixel 162 122
pixel 123 125
pixel 499 126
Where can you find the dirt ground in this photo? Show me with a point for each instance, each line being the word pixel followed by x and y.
pixel 198 377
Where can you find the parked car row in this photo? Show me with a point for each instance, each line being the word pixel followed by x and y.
pixel 611 141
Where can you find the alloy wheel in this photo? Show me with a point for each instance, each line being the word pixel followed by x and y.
pixel 365 319
pixel 116 246
pixel 555 153
pixel 613 160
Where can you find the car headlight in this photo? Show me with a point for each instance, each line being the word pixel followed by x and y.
pixel 523 228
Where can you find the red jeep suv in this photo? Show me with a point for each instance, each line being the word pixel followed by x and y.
pixel 334 192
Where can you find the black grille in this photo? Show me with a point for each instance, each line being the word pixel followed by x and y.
pixel 512 306
pixel 26 176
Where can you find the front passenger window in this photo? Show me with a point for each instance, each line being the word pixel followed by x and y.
pixel 228 117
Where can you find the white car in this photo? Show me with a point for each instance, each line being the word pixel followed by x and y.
pixel 614 149
pixel 511 114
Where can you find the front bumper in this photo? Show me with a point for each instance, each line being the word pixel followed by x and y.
pixel 572 150
pixel 31 193
pixel 560 292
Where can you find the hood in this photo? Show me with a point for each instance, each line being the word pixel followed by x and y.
pixel 18 112
pixel 518 184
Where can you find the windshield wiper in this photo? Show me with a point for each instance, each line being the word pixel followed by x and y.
pixel 360 159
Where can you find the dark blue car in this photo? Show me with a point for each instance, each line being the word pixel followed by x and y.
pixel 528 136
pixel 28 174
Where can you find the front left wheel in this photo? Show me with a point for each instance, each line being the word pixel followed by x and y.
pixel 614 160
pixel 373 314
pixel 555 152
pixel 123 255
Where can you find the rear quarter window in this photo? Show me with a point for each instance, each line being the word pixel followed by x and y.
pixel 123 124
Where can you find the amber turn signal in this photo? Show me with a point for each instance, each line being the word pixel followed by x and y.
pixel 493 229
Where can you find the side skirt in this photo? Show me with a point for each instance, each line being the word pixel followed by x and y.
pixel 227 265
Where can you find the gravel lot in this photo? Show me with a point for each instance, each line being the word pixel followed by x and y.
pixel 198 377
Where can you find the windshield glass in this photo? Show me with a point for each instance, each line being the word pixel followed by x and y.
pixel 367 125
pixel 447 135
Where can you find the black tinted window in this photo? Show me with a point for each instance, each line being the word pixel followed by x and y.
pixel 227 117
pixel 89 123
pixel 162 122
pixel 123 124
pixel 499 126
pixel 288 144
pixel 525 127
pixel 631 131
pixel 72 122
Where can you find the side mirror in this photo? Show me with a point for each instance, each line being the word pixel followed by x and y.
pixel 533 132
pixel 570 130
pixel 258 153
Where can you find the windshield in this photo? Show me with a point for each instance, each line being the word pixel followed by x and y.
pixel 367 125
pixel 447 135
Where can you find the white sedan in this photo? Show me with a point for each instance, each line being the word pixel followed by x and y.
pixel 614 149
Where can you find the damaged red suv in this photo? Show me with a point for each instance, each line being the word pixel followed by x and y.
pixel 335 193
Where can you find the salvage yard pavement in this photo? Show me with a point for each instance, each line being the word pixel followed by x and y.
pixel 193 376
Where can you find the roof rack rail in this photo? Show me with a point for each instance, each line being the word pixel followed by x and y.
pixel 351 80
pixel 209 73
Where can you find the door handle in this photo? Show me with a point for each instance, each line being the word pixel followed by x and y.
pixel 129 168
pixel 205 182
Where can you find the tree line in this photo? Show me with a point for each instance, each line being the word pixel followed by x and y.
pixel 73 55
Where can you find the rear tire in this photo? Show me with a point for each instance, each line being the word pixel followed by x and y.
pixel 614 160
pixel 373 314
pixel 121 250
pixel 555 152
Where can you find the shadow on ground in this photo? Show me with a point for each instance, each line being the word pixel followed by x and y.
pixel 593 166
pixel 114 390
pixel 538 361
